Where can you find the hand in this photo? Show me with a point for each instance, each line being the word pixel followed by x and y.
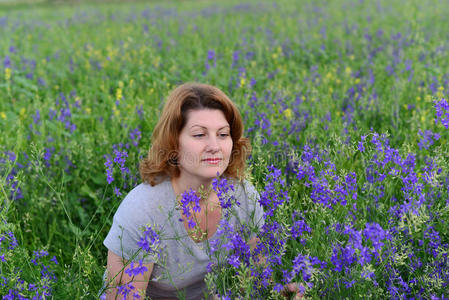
pixel 292 288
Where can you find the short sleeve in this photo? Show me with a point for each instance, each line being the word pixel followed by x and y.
pixel 127 229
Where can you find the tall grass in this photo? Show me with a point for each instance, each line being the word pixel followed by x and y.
pixel 338 95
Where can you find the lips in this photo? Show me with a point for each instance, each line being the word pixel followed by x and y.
pixel 212 160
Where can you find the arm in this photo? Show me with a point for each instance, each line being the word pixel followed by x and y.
pixel 115 266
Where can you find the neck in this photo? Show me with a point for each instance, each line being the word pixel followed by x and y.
pixel 180 185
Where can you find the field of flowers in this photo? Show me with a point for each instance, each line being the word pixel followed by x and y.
pixel 345 102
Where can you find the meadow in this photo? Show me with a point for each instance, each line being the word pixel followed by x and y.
pixel 345 103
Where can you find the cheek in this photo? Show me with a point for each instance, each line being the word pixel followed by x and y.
pixel 191 151
pixel 229 148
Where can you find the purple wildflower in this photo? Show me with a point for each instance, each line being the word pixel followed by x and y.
pixel 442 112
pixel 252 82
pixel 299 227
pixel 211 60
pixel 125 289
pixel 136 270
pixel 7 62
pixel 234 261
pixel 190 201
pixel 223 187
pixel 427 139
pixel 375 233
pixel 109 169
pixel 150 240
pixel 274 193
pixel 117 191
pixel 135 135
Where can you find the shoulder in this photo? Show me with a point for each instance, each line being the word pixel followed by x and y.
pixel 144 200
pixel 246 189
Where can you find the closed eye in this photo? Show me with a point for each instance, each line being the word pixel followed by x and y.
pixel 199 135
pixel 224 134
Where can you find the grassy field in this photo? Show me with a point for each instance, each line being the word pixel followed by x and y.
pixel 346 100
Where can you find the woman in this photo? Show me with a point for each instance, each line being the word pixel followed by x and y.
pixel 198 137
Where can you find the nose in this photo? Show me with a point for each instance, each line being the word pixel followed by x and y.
pixel 212 144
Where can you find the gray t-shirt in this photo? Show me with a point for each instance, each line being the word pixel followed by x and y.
pixel 182 266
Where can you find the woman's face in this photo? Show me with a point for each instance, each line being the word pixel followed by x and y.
pixel 205 145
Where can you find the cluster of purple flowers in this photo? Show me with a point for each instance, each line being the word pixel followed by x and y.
pixel 16 283
pixel 134 270
pixel 119 159
pixel 442 112
pixel 211 60
pixel 190 201
pixel 299 227
pixel 64 114
pixel 267 258
pixel 135 135
pixel 126 289
pixel 275 192
pixel 319 175
pixel 427 139
pixel 15 191
pixel 150 241
pixel 361 247
pixel 223 188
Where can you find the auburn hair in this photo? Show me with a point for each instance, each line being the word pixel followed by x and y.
pixel 162 156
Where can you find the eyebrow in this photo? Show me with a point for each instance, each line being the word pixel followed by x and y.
pixel 226 126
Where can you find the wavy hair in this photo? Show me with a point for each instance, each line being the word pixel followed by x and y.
pixel 162 156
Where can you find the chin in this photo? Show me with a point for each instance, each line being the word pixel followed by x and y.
pixel 212 172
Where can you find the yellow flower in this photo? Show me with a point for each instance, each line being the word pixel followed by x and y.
pixel 156 61
pixel 7 74
pixel 440 93
pixel 22 112
pixel 288 113
pixel 242 81
pixel 118 94
pixel 116 111
pixel 3 115
pixel 348 70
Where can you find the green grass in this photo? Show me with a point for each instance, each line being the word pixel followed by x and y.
pixel 305 57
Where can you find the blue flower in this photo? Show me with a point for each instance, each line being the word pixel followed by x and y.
pixel 442 112
pixel 150 241
pixel 136 270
